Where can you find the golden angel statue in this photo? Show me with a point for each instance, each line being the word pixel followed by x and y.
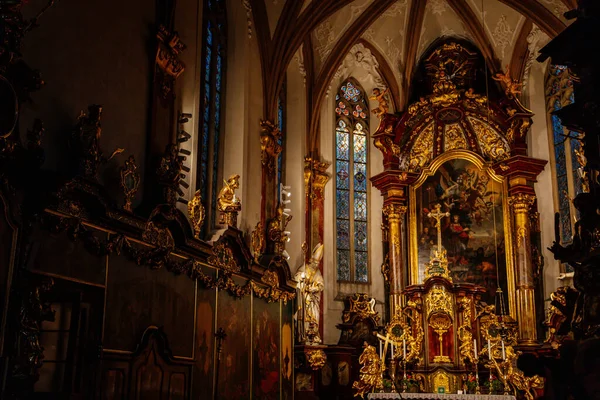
pixel 309 288
pixel 370 372
pixel 511 87
pixel 383 106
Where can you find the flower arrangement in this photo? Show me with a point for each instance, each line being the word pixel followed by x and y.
pixel 470 383
pixel 412 384
pixel 494 385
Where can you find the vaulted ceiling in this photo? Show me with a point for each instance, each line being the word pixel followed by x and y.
pixel 397 32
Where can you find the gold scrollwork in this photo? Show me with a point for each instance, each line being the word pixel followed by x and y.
pixel 258 241
pixel 371 372
pixel 438 301
pixel 223 258
pixel 454 137
pixel 159 237
pixel 394 211
pixel 364 306
pixel 270 278
pixel 196 213
pixel 491 141
pixel 521 202
pixel 316 358
pixel 465 334
pixel 130 181
pixel 270 148
pixel 422 150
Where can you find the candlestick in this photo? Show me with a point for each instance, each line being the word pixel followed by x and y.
pixel 489 349
pixel 392 352
pixel 380 351
pixel 503 353
pixel 404 348
pixel 475 348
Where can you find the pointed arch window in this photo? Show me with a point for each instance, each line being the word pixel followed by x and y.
pixel 351 154
pixel 212 90
pixel 565 146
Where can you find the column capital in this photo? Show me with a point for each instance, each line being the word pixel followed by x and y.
pixel 315 176
pixel 521 202
pixel 394 210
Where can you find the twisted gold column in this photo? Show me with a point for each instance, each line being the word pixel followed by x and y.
pixel 521 204
pixel 396 214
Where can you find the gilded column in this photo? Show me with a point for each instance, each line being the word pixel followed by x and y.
pixel 395 214
pixel 315 179
pixel 525 287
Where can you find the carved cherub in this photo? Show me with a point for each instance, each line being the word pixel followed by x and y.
pixel 383 106
pixel 511 87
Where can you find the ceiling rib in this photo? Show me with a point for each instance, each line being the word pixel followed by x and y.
pixel 411 44
pixel 337 55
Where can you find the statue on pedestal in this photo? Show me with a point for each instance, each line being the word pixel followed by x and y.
pixel 309 288
pixel 228 203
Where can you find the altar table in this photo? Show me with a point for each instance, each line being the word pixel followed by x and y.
pixel 438 396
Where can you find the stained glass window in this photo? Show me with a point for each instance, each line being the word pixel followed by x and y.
pixel 281 126
pixel 211 107
pixel 351 158
pixel 559 93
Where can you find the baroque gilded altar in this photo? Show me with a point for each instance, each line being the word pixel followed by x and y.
pixel 458 204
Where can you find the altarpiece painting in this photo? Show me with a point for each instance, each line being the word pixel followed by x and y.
pixel 472 232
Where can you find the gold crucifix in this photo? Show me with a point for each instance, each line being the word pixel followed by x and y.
pixel 437 214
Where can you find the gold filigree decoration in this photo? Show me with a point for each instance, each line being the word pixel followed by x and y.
pixel 159 237
pixel 258 241
pixel 465 331
pixel 440 322
pixel 454 137
pixel 439 301
pixel 270 278
pixel 521 233
pixel 270 136
pixel 385 268
pixel 130 181
pixel 492 144
pixel 422 150
pixel 315 177
pixel 441 379
pixel 394 211
pixel 316 358
pixel 196 213
pixel 223 258
pixel 521 202
pixel 371 372
pixel 363 306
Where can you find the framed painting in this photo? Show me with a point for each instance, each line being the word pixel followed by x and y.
pixel 474 231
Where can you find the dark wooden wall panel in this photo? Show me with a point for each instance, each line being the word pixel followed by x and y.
pixel 205 338
pixel 234 316
pixel 287 351
pixel 57 254
pixel 266 371
pixel 138 297
pixel 7 242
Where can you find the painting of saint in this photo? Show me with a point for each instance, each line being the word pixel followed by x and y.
pixel 287 351
pixel 473 233
pixel 205 333
pixel 266 371
pixel 234 317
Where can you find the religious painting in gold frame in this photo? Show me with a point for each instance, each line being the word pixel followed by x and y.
pixel 476 235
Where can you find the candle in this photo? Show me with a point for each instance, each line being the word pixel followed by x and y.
pixel 380 351
pixel 489 349
pixel 392 351
pixel 503 354
pixel 475 347
pixel 404 348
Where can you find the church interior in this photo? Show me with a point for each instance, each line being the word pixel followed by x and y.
pixel 301 199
